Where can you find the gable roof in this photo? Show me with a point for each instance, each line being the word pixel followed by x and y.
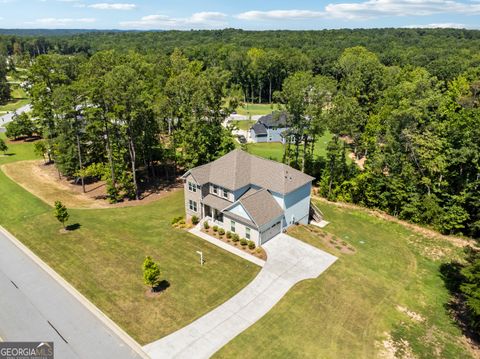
pixel 238 169
pixel 259 129
pixel 275 119
pixel 261 206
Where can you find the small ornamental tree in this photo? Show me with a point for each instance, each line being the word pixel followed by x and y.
pixel 60 212
pixel 151 273
pixel 3 146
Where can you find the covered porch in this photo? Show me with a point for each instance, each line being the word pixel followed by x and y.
pixel 212 207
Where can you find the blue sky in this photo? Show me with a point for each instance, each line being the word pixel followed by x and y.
pixel 245 14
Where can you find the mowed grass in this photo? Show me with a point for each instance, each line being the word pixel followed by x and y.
pixel 103 258
pixel 352 308
pixel 249 109
pixel 274 150
pixel 243 124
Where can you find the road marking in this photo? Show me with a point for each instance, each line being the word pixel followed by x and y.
pixel 60 335
pixel 16 286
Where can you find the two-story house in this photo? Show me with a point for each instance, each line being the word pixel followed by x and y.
pixel 270 128
pixel 251 196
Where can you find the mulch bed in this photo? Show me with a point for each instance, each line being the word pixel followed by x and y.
pixel 258 252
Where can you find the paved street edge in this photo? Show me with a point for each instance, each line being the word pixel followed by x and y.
pixel 80 297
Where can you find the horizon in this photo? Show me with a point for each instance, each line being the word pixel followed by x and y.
pixel 148 15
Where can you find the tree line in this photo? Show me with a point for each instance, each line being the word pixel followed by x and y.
pixel 125 117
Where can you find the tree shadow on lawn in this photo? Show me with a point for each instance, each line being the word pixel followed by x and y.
pixel 73 227
pixel 159 289
pixel 456 306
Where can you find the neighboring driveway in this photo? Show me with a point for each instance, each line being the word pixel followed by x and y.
pixel 36 306
pixel 289 262
pixel 9 116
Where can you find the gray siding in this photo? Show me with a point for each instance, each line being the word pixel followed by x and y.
pixel 194 196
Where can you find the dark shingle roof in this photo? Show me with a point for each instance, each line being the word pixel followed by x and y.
pixel 238 169
pixel 275 119
pixel 259 129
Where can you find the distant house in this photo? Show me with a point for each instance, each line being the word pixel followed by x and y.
pixel 251 196
pixel 269 128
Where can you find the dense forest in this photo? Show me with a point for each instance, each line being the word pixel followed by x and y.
pixel 127 106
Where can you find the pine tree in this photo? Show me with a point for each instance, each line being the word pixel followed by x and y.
pixel 60 212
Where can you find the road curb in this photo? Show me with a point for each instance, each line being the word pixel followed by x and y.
pixel 80 297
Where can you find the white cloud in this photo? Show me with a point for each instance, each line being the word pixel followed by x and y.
pixel 369 9
pixel 378 8
pixel 445 25
pixel 203 19
pixel 53 21
pixel 280 15
pixel 110 6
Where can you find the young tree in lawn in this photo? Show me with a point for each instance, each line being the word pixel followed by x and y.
pixel 3 146
pixel 40 149
pixel 151 273
pixel 60 212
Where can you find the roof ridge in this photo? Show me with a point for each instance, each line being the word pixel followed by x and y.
pixel 251 194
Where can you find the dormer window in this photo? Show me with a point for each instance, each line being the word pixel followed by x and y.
pixel 215 189
pixel 225 193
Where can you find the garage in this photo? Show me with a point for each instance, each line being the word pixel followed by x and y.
pixel 271 232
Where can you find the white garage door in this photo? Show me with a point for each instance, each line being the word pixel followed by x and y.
pixel 270 232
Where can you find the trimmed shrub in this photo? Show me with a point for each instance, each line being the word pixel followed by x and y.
pixel 243 242
pixel 229 234
pixel 175 220
pixel 215 228
pixel 221 231
pixel 251 244
pixel 235 237
pixel 195 220
pixel 206 225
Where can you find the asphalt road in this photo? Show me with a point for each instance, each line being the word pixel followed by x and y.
pixel 8 116
pixel 35 307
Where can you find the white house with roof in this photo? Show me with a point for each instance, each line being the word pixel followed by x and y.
pixel 248 195
pixel 269 128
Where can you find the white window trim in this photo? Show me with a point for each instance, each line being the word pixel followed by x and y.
pixel 192 187
pixel 192 205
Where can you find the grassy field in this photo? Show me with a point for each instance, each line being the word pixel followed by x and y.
pixel 388 294
pixel 103 258
pixel 274 150
pixel 19 99
pixel 249 109
pixel 243 124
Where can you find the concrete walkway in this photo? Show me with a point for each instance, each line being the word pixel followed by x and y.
pixel 196 231
pixel 289 262
pixel 36 304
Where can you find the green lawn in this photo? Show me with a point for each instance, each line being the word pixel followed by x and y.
pixel 256 109
pixel 103 258
pixel 274 150
pixel 351 309
pixel 243 124
pixel 19 99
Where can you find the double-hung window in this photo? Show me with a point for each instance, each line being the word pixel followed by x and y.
pixel 247 232
pixel 192 187
pixel 232 226
pixel 215 189
pixel 225 193
pixel 192 205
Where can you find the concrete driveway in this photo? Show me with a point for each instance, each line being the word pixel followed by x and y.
pixel 4 119
pixel 35 306
pixel 289 262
